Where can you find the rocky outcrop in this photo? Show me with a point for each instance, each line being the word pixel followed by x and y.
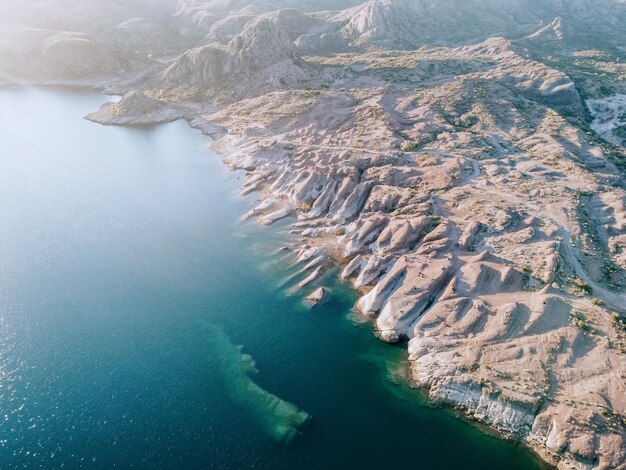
pixel 134 108
pixel 319 296
pixel 555 31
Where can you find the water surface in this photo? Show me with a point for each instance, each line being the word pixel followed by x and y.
pixel 126 283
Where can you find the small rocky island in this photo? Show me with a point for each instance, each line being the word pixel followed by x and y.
pixel 319 296
pixel 461 162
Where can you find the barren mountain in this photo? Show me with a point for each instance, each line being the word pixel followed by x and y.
pixel 462 162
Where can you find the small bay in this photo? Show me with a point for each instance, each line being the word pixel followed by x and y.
pixel 143 325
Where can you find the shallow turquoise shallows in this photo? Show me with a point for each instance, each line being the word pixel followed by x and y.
pixel 127 284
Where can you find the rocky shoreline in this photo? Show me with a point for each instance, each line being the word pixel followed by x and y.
pixel 486 334
pixel 423 275
pixel 470 186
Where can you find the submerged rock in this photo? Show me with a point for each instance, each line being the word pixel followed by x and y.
pixel 276 418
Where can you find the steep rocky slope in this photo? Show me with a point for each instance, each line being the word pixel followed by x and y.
pixel 462 162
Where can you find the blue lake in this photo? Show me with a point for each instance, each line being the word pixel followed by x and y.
pixel 127 283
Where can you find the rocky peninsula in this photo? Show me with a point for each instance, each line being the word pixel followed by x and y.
pixel 461 162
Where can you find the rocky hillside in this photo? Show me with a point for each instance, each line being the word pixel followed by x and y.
pixel 461 162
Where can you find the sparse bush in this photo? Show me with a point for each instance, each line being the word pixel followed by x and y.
pixel 583 285
pixel 410 146
pixel 618 322
pixel 580 321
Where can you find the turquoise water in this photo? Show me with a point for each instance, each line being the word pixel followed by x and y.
pixel 126 285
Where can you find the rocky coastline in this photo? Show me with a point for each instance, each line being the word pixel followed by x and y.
pixel 459 181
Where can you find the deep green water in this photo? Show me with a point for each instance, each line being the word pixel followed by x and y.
pixel 126 282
